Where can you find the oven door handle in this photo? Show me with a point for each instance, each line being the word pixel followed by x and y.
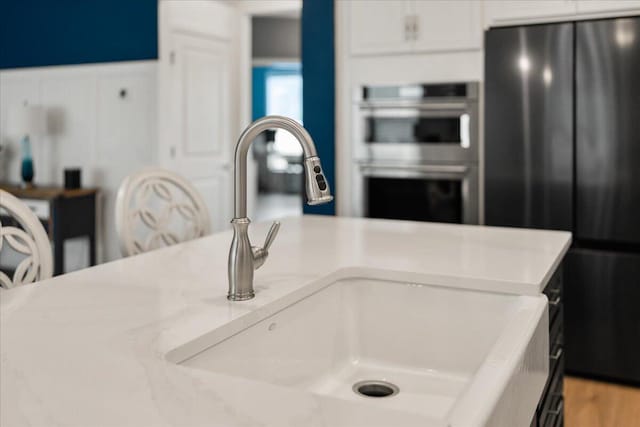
pixel 413 112
pixel 415 105
pixel 382 169
pixel 455 169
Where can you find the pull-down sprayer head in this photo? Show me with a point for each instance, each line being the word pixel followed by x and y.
pixel 318 191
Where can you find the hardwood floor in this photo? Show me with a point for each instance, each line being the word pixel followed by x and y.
pixel 599 404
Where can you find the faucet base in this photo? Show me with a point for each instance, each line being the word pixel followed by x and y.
pixel 241 297
pixel 241 263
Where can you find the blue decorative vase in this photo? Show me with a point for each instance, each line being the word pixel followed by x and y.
pixel 27 170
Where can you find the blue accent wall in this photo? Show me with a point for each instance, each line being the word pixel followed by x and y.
pixel 36 33
pixel 259 92
pixel 318 79
pixel 259 77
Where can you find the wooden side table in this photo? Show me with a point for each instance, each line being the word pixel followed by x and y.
pixel 65 214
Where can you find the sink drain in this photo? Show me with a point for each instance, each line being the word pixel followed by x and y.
pixel 375 388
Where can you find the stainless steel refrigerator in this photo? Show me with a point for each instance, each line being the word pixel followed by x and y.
pixel 562 151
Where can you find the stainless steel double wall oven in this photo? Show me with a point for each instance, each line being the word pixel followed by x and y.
pixel 416 152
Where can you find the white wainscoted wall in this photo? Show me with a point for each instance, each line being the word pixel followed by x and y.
pixel 100 118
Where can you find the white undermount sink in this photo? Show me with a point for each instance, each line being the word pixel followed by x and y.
pixel 457 357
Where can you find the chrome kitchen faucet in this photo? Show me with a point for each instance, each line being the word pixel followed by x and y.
pixel 244 258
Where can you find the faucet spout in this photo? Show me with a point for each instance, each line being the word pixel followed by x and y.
pixel 244 258
pixel 311 161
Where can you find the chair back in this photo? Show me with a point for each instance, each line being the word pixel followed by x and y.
pixel 23 234
pixel 157 208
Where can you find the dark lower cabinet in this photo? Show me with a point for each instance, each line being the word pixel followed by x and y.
pixel 550 411
pixel 603 315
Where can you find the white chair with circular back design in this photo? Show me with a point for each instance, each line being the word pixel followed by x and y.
pixel 29 240
pixel 157 208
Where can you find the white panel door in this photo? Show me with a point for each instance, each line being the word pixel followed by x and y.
pixel 200 81
pixel 199 97
pixel 379 26
pixel 444 25
pixel 205 91
pixel 217 193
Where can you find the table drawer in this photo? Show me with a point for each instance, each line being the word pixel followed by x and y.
pixel 38 207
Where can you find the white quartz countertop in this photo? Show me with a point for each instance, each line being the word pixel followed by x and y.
pixel 88 348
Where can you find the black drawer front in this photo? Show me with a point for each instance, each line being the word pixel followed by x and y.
pixel 553 291
pixel 555 330
pixel 553 415
pixel 550 410
pixel 554 287
pixel 553 402
pixel 556 373
pixel 555 307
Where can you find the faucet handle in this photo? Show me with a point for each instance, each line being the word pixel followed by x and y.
pixel 271 235
pixel 260 254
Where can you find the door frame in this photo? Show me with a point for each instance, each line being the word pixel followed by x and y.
pixel 249 9
pixel 242 34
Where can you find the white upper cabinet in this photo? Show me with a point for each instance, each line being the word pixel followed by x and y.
pixel 410 26
pixel 508 12
pixel 597 6
pixel 501 12
pixel 379 26
pixel 442 25
pixel 401 26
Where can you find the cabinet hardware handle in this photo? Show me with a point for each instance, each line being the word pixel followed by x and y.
pixel 415 27
pixel 555 302
pixel 407 28
pixel 559 406
pixel 557 355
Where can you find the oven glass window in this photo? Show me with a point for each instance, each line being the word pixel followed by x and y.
pixel 421 130
pixel 415 199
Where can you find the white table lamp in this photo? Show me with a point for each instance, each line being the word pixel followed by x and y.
pixel 26 122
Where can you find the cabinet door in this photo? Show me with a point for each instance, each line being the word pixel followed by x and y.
pixel 448 25
pixel 379 27
pixel 504 12
pixel 602 320
pixel 595 6
pixel 201 84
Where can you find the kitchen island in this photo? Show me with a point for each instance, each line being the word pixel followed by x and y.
pixel 90 348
